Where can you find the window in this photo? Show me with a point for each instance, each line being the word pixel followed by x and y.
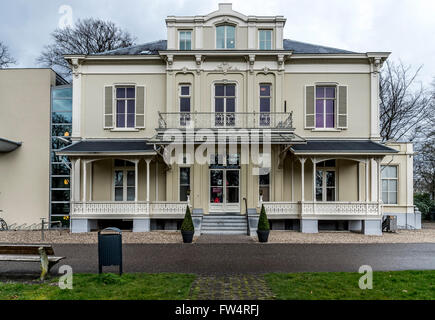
pixel 124 181
pixel 225 104
pixel 265 39
pixel 185 38
pixel 265 102
pixel 325 181
pixel 389 184
pixel 325 107
pixel 185 102
pixel 225 37
pixel 264 186
pixel 125 107
pixel 184 183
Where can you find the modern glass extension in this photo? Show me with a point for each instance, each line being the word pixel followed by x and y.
pixel 61 128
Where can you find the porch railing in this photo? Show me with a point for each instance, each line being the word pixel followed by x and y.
pixel 325 208
pixel 236 120
pixel 127 208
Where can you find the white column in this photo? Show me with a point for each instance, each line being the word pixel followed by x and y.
pixel 378 162
pixel 84 180
pixel 367 179
pixel 136 186
pixel 302 160
pixel 148 179
pixel 292 173
pixel 314 178
pixel 157 181
pixel 90 181
pixel 72 180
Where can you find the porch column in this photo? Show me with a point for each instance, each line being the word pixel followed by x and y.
pixel 157 181
pixel 367 184
pixel 314 178
pixel 148 179
pixel 136 187
pixel 292 182
pixel 90 181
pixel 84 180
pixel 302 160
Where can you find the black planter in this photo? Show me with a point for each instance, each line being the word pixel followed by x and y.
pixel 187 236
pixel 263 235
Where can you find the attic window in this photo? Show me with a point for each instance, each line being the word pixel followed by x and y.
pixel 225 37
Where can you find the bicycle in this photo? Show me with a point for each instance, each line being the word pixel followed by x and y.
pixel 3 224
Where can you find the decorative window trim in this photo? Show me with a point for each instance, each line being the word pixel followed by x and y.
pixel 271 38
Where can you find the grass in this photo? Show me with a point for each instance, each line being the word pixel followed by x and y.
pixel 396 285
pixel 162 286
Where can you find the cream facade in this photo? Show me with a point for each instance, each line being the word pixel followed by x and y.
pixel 233 74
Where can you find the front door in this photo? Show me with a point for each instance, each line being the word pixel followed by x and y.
pixel 224 190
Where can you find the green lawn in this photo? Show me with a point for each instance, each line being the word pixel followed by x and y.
pixel 395 285
pixel 167 286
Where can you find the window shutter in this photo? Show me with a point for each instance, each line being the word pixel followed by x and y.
pixel 108 107
pixel 140 107
pixel 342 107
pixel 309 107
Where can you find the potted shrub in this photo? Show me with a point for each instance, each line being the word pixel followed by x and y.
pixel 263 228
pixel 187 228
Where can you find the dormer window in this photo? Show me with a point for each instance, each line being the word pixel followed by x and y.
pixel 185 38
pixel 225 37
pixel 265 39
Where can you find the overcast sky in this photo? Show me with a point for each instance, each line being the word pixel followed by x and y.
pixel 404 27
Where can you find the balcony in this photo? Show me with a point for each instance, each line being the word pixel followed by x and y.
pixel 281 121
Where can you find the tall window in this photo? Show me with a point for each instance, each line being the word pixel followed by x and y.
pixel 184 183
pixel 61 128
pixel 265 102
pixel 125 107
pixel 185 38
pixel 325 107
pixel 225 104
pixel 389 184
pixel 265 39
pixel 325 181
pixel 185 102
pixel 264 185
pixel 124 181
pixel 225 37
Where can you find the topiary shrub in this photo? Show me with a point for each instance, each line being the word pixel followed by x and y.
pixel 263 223
pixel 187 224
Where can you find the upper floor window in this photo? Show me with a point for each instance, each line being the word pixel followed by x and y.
pixel 325 106
pixel 185 103
pixel 225 37
pixel 185 38
pixel 265 102
pixel 389 184
pixel 265 39
pixel 125 106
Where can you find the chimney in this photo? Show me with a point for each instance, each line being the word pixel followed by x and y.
pixel 225 7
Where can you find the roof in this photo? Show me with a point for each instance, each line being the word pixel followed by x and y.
pixel 153 48
pixel 303 47
pixel 8 145
pixel 342 147
pixel 107 146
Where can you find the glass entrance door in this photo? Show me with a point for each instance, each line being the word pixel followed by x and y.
pixel 225 190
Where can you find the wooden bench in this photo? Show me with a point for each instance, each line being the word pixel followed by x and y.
pixel 44 254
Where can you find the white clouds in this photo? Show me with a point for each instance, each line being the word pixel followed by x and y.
pixel 405 27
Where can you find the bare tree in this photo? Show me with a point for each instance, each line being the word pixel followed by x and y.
pixel 87 36
pixel 424 158
pixel 403 103
pixel 5 57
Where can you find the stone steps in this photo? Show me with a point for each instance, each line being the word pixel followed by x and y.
pixel 224 224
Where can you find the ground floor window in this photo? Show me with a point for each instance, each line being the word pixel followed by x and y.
pixel 326 181
pixel 389 184
pixel 184 183
pixel 124 181
pixel 264 186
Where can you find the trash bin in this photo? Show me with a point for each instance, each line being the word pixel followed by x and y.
pixel 110 248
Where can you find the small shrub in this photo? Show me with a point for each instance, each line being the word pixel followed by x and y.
pixel 263 223
pixel 187 224
pixel 424 203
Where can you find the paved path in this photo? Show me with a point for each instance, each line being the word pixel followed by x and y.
pixel 245 258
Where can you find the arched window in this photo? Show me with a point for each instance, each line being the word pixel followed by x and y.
pixel 225 37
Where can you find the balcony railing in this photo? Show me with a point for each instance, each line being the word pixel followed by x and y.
pixel 217 120
pixel 324 208
pixel 127 208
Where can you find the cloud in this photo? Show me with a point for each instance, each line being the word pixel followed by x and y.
pixel 404 27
